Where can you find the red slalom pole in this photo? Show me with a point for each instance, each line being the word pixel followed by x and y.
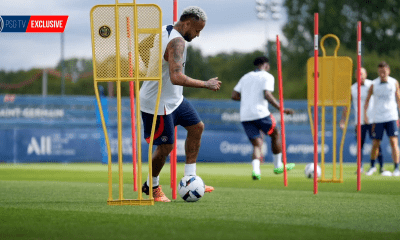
pixel 278 54
pixel 171 160
pixel 173 156
pixel 359 106
pixel 132 96
pixel 174 163
pixel 315 103
pixel 132 102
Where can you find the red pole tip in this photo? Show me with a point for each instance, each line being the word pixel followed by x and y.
pixel 175 11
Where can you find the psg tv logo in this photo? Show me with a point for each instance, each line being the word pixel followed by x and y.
pixel 1 24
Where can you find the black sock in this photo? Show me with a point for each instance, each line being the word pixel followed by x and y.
pixel 380 159
pixel 147 185
pixel 396 166
pixel 372 163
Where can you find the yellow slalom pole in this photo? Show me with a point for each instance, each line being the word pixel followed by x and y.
pixel 334 156
pixel 342 144
pixel 119 107
pixel 323 143
pixel 310 118
pixel 103 123
pixel 334 139
pixel 120 170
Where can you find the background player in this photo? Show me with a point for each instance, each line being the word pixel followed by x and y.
pixel 385 90
pixel 365 128
pixel 254 92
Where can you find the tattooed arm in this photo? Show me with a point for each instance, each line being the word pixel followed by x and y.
pixel 174 56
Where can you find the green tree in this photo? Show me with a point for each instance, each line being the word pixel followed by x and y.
pixel 196 67
pixel 380 23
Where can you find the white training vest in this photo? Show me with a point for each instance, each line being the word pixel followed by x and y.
pixel 385 106
pixel 364 93
pixel 251 86
pixel 171 95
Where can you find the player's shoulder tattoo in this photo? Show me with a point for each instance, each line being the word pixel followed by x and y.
pixel 178 46
pixel 177 41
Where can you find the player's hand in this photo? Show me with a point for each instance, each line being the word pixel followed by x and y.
pixel 213 84
pixel 288 111
pixel 366 119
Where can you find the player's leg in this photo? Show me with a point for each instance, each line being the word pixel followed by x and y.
pixel 192 143
pixel 392 132
pixel 257 154
pixel 364 129
pixel 368 130
pixel 276 145
pixel 380 156
pixel 163 139
pixel 374 154
pixel 268 126
pixel 186 116
pixel 159 157
pixel 276 142
pixel 254 135
pixel 377 134
pixel 394 144
pixel 257 148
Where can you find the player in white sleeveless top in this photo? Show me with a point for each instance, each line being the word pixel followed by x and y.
pixel 254 92
pixel 365 128
pixel 385 90
pixel 171 95
pixel 174 109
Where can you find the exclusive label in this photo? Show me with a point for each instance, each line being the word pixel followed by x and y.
pixel 34 24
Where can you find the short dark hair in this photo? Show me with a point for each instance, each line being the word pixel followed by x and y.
pixel 383 64
pixel 260 60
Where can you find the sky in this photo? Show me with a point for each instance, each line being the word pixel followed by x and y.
pixel 232 26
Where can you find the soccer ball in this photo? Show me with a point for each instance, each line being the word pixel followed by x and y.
pixel 191 188
pixel 309 170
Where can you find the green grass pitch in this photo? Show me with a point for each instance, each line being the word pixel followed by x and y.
pixel 68 201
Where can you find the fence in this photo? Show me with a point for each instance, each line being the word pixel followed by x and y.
pixel 65 129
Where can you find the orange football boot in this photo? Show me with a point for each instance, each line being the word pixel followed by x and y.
pixel 158 194
pixel 208 188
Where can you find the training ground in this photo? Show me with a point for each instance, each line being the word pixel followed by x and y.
pixel 68 201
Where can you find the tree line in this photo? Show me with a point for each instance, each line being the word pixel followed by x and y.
pixel 229 67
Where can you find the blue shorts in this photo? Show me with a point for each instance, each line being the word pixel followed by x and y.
pixel 253 128
pixel 365 128
pixel 185 115
pixel 390 128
